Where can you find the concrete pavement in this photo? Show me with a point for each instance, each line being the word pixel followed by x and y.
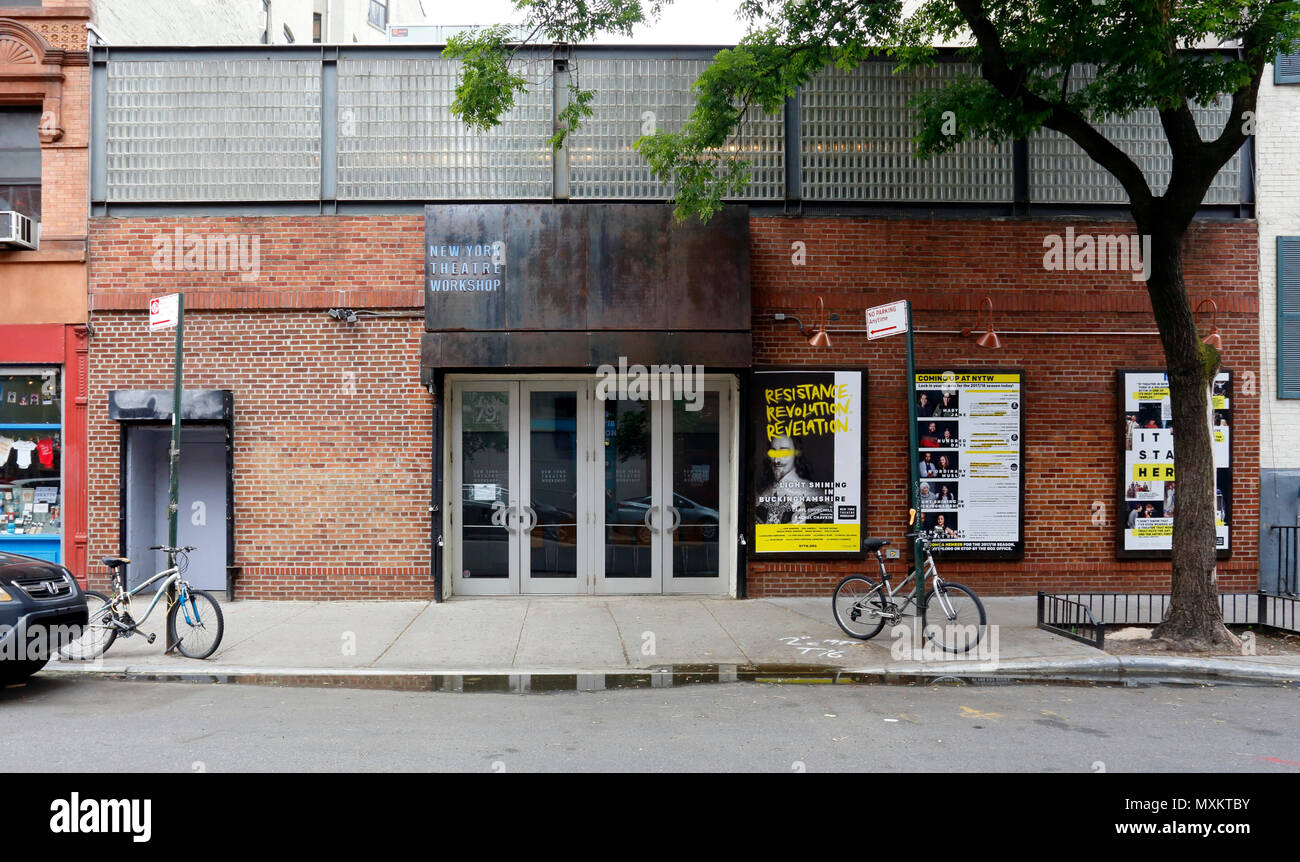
pixel 618 634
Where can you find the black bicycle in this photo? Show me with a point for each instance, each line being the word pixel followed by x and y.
pixel 953 618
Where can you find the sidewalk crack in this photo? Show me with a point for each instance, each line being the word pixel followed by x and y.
pixel 404 630
pixel 739 648
pixel 514 657
pixel 627 662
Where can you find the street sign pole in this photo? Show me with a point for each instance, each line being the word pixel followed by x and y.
pixel 882 322
pixel 913 471
pixel 173 504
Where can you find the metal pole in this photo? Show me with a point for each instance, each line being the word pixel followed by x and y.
pixel 173 505
pixel 914 482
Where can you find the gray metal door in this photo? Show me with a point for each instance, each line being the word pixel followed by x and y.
pixel 202 503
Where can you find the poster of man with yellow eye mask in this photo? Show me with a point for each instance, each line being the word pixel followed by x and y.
pixel 809 434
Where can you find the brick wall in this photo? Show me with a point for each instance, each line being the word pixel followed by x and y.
pixel 333 445
pixel 331 487
pixel 1071 457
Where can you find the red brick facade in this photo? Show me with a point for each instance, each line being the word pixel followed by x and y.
pixel 333 430
pixel 43 292
pixel 1071 445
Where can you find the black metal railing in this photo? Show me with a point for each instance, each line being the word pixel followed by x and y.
pixel 1288 558
pixel 1086 616
pixel 1070 619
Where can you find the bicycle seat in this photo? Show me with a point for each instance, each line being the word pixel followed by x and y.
pixel 115 562
pixel 874 544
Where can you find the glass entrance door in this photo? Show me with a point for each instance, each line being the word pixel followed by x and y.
pixel 631 553
pixel 553 490
pixel 484 471
pixel 667 495
pixel 554 515
pixel 694 494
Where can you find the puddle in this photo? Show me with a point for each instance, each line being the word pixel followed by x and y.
pixel 667 676
pixel 670 676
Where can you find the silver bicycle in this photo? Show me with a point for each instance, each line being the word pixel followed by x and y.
pixel 953 617
pixel 194 621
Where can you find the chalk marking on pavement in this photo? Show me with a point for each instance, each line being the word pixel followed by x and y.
pixel 967 712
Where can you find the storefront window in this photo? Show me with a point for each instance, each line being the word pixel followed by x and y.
pixel 31 462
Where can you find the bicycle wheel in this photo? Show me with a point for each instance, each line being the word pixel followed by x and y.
pixel 98 634
pixel 854 601
pixel 954 617
pixel 196 625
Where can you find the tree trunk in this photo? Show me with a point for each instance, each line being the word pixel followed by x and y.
pixel 1194 620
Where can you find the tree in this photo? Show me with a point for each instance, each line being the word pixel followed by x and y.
pixel 1163 55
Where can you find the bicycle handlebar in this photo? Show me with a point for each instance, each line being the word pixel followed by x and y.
pixel 170 549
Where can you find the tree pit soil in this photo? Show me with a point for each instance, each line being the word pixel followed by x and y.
pixel 1267 642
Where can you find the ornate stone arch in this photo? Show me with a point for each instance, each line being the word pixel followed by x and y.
pixel 31 73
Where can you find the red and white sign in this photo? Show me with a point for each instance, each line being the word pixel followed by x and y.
pixel 886 320
pixel 164 311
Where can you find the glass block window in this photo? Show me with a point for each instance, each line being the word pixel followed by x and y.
pixel 857 142
pixel 1061 172
pixel 213 130
pixel 398 140
pixel 643 96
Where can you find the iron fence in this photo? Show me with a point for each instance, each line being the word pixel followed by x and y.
pixel 1085 617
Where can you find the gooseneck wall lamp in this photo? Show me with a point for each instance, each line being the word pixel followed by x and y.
pixel 816 335
pixel 1213 339
pixel 990 338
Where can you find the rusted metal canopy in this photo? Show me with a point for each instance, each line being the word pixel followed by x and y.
pixel 584 349
pixel 622 278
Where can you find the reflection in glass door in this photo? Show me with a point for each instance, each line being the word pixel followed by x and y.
pixel 552 520
pixel 666 487
pixel 695 494
pixel 552 490
pixel 631 561
pixel 485 461
pixel 694 490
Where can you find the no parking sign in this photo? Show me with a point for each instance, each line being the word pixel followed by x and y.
pixel 164 311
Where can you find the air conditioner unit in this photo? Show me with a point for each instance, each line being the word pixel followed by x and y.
pixel 17 231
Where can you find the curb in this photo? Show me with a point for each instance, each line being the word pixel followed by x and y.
pixel 1113 670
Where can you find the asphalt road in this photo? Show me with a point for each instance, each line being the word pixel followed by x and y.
pixel 720 727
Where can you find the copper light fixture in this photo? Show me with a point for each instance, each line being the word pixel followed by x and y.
pixel 816 335
pixel 1213 339
pixel 819 338
pixel 990 338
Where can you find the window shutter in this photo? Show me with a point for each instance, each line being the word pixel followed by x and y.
pixel 1288 317
pixel 1286 69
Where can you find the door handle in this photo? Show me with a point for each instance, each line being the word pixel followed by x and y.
pixel 532 519
pixel 675 520
pixel 649 519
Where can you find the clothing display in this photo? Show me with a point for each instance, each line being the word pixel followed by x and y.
pixel 45 452
pixel 24 448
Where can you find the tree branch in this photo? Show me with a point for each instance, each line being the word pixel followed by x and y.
pixel 1011 83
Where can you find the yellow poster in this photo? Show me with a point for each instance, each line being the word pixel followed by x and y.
pixel 788 538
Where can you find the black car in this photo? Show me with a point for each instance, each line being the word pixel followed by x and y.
pixel 41 609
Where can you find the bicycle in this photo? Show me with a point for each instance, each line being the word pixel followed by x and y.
pixel 194 620
pixel 953 617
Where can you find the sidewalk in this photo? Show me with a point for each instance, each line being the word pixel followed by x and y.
pixel 610 635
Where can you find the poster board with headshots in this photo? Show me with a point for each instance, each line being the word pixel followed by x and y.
pixel 970 459
pixel 807 481
pixel 1148 483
